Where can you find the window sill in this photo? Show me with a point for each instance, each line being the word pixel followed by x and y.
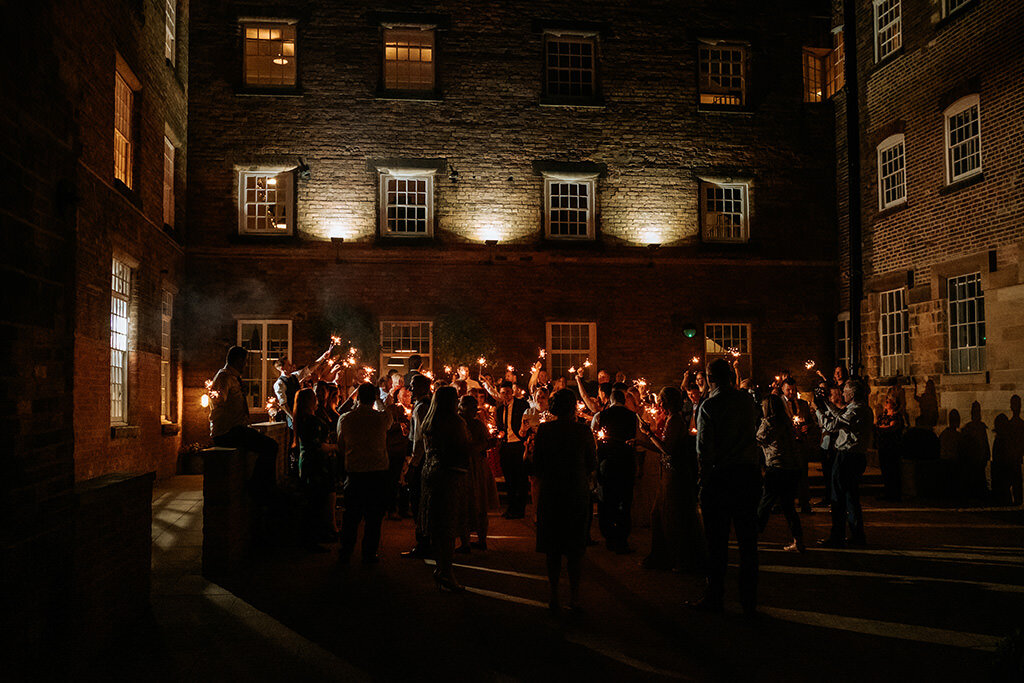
pixel 724 109
pixel 124 431
pixel 889 59
pixel 279 240
pixel 169 429
pixel 573 102
pixel 272 92
pixel 962 184
pixel 409 96
pixel 401 241
pixel 882 214
pixel 979 377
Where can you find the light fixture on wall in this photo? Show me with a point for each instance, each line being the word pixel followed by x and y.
pixel 303 170
pixel 654 246
pixel 491 243
pixel 337 242
pixel 453 174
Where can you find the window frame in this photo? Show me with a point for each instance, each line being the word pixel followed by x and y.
pixel 892 364
pixel 409 93
pixel 386 174
pixel 878 30
pixel 947 12
pixel 977 362
pixel 266 382
pixel 171 31
pixel 170 154
pixel 119 408
pixel 166 366
pixel 404 354
pixel 961 105
pixel 705 88
pixel 745 358
pixel 587 179
pixel 570 36
pixel 843 340
pixel 589 353
pixel 835 65
pixel 891 142
pixel 266 171
pixel 123 75
pixel 246 23
pixel 814 60
pixel 744 186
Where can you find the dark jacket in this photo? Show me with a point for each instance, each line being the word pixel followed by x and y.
pixel 519 407
pixel 726 431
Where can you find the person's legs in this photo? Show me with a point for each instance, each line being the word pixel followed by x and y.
pixel 554 563
pixel 746 485
pixel 716 529
pixel 837 536
pixel 804 480
pixel 769 497
pixel 377 497
pixel 789 484
pixel 355 509
pixel 575 564
pixel 506 457
pixel 854 469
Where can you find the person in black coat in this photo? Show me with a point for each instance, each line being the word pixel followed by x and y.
pixel 508 419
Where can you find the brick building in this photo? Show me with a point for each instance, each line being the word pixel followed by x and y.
pixel 614 183
pixel 939 91
pixel 94 133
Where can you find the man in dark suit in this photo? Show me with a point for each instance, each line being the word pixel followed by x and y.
pixel 508 419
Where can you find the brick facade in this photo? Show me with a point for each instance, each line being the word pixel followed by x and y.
pixel 945 230
pixel 489 125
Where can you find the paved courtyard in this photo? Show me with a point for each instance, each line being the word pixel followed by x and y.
pixel 933 597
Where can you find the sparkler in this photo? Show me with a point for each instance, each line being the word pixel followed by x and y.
pixel 581 407
pixel 335 340
pixel 447 369
pixel 809 365
pixel 481 361
pixel 543 353
pixel 734 352
pixel 510 368
pixel 586 363
pixel 271 404
pixel 693 430
pixel 572 370
pixel 204 401
pixel 602 434
pixel 428 374
pixel 695 360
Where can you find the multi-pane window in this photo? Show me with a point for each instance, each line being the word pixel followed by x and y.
pixel 723 80
pixel 168 182
pixel 570 208
pixel 270 54
pixel 265 202
pixel 724 212
pixel 814 59
pixel 963 139
pixel 966 323
pixel 892 172
pixel 894 330
pixel 730 341
pixel 266 341
pixel 170 28
pixel 166 377
pixel 835 65
pixel 124 128
pixel 843 340
pixel 571 67
pixel 409 59
pixel 950 6
pixel 120 327
pixel 571 345
pixel 400 339
pixel 888 28
pixel 407 204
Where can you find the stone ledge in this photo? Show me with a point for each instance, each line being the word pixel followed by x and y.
pixel 124 431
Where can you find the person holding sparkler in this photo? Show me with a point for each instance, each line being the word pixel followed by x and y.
pixel 616 427
pixel 508 421
pixel 782 468
pixel 290 380
pixel 412 473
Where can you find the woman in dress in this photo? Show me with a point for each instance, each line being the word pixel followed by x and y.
pixel 445 468
pixel 316 477
pixel 565 457
pixel 479 498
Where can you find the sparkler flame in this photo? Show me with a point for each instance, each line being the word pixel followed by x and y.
pixel 695 360
pixel 481 361
pixel 447 369
pixel 335 340
pixel 809 365
pixel 602 434
pixel 510 368
pixel 543 353
pixel 586 363
pixel 204 401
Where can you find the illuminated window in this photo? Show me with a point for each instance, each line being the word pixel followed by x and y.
pixel 570 345
pixel 166 377
pixel 724 212
pixel 266 341
pixel 570 207
pixel 814 73
pixel 409 59
pixel 571 66
pixel 966 323
pixel 892 172
pixel 120 328
pixel 265 202
pixel 894 330
pixel 170 28
pixel 843 340
pixel 270 57
pixel 401 339
pixel 888 28
pixel 124 128
pixel 407 203
pixel 835 65
pixel 963 139
pixel 730 341
pixel 723 80
pixel 168 182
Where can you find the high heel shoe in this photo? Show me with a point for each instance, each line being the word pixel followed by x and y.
pixel 446 585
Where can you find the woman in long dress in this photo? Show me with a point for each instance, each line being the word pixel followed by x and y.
pixel 564 458
pixel 445 469
pixel 479 500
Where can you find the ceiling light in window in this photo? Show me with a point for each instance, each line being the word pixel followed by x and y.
pixel 280 61
pixel 271 181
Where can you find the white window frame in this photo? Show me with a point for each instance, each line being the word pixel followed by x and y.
pixel 955 109
pixel 968 357
pixel 387 174
pixel 898 175
pixel 408 32
pixel 706 230
pixel 284 182
pixel 170 30
pixel 166 378
pixel 950 7
pixel 122 283
pixel 267 376
pixel 705 82
pixel 843 345
pixel 568 38
pixel 577 356
pixel 888 37
pixel 404 354
pixel 893 333
pixel 169 154
pixel 589 180
pixel 282 54
pixel 126 88
pixel 721 346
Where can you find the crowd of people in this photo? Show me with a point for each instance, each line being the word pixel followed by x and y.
pixel 431 448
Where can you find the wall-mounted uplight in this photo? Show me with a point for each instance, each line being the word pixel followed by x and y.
pixel 491 243
pixel 654 246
